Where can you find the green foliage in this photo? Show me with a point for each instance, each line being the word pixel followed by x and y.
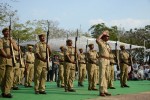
pixel 97 29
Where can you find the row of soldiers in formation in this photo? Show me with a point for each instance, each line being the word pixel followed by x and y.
pixel 98 65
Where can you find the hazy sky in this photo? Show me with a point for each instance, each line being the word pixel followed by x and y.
pixel 72 13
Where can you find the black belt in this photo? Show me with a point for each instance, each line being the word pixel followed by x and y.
pixel 91 63
pixel 82 63
pixel 61 63
pixel 30 62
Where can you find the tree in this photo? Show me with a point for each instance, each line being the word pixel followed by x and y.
pixel 97 29
pixel 5 13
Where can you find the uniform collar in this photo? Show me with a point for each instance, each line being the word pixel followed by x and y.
pixel 69 46
pixel 92 50
pixel 6 38
pixel 42 42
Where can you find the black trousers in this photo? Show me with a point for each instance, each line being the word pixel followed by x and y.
pixel 50 75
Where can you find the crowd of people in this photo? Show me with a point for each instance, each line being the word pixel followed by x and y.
pixel 140 71
pixel 38 67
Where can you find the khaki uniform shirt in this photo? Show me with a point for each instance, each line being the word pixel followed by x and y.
pixel 104 49
pixel 112 58
pixel 40 48
pixel 29 57
pixel 92 56
pixel 124 57
pixel 61 56
pixel 5 45
pixel 81 58
pixel 70 51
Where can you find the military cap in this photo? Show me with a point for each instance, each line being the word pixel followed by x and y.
pixel 5 29
pixel 122 45
pixel 69 40
pixel 90 44
pixel 30 47
pixel 61 47
pixel 42 34
pixel 80 49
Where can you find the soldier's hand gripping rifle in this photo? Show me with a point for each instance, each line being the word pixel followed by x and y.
pixel 11 46
pixel 76 60
pixel 47 49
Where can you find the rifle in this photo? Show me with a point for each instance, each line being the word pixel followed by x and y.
pixel 86 54
pixel 130 58
pixel 11 46
pixel 67 36
pixel 47 50
pixel 116 56
pixel 19 54
pixel 76 38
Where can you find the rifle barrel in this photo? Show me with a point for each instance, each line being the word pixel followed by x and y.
pixel 11 46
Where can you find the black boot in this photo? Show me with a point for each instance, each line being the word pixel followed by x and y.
pixel 7 95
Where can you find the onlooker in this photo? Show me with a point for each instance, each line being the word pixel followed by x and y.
pixel 135 75
pixel 146 71
pixel 141 72
pixel 49 73
pixel 55 65
pixel 135 66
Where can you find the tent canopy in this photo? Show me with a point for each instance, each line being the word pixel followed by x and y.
pixel 81 43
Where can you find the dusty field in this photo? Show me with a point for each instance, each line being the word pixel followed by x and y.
pixel 139 96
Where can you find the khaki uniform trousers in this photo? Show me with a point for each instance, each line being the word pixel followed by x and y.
pixel 1 73
pixel 108 74
pixel 69 75
pixel 40 74
pixel 61 74
pixel 123 73
pixel 6 74
pixel 29 74
pixel 82 72
pixel 21 77
pixel 103 75
pixel 16 75
pixel 92 76
pixel 97 76
pixel 111 76
pixel 88 75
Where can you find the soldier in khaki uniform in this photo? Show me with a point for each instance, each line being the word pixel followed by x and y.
pixel 40 67
pixel 61 66
pixel 7 69
pixel 104 62
pixel 82 67
pixel 124 62
pixel 29 61
pixel 92 67
pixel 69 68
pixel 111 71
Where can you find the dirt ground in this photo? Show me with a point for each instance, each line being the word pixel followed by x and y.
pixel 139 96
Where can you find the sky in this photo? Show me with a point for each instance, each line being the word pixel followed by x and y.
pixel 73 14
